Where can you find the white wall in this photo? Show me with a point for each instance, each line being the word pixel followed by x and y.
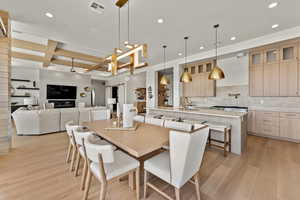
pixel 65 78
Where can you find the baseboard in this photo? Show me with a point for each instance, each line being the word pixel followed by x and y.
pixel 274 137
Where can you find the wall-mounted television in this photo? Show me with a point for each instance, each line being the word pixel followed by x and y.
pixel 61 92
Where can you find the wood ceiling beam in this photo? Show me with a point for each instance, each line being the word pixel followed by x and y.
pixel 22 44
pixel 49 54
pixel 35 58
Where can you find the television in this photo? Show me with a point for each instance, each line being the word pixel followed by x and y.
pixel 61 92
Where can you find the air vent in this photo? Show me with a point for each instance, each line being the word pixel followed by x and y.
pixel 97 7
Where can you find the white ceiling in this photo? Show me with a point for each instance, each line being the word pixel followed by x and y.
pixel 75 24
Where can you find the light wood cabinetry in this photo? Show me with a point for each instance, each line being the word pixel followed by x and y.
pixel 290 125
pixel 256 73
pixel 274 69
pixel 201 86
pixel 281 125
pixel 289 69
pixel 271 71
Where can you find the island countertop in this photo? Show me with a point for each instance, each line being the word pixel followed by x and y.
pixel 202 111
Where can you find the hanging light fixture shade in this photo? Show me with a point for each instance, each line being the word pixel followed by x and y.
pixel 186 77
pixel 164 80
pixel 216 72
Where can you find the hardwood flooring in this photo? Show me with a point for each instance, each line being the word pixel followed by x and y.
pixel 269 170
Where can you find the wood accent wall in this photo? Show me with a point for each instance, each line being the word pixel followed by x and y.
pixel 5 71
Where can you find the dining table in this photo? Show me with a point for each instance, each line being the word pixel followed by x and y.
pixel 142 143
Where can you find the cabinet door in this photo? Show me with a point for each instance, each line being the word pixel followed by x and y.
pixel 290 128
pixel 256 74
pixel 271 72
pixel 267 123
pixel 289 70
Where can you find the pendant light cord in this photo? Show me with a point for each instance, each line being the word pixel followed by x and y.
pixel 216 27
pixel 119 27
pixel 165 57
pixel 128 23
pixel 185 51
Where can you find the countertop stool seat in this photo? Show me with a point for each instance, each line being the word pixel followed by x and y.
pixel 224 129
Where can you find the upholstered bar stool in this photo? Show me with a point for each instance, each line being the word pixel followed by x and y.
pixel 223 129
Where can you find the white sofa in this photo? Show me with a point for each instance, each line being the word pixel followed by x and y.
pixel 38 122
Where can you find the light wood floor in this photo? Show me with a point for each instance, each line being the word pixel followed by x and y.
pixel 269 170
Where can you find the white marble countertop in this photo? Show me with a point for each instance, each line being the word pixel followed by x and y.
pixel 273 109
pixel 202 111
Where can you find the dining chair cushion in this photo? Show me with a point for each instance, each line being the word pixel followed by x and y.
pixel 181 126
pixel 122 164
pixel 159 165
pixel 139 118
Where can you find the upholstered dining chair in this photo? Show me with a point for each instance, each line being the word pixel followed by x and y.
pixel 139 118
pixel 71 152
pixel 106 164
pixel 89 136
pixel 180 164
pixel 154 121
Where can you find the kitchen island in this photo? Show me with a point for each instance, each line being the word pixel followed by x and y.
pixel 237 121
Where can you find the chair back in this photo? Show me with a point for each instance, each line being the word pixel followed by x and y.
pixel 92 152
pixel 79 135
pixel 70 126
pixel 139 118
pixel 154 121
pixel 181 126
pixel 186 153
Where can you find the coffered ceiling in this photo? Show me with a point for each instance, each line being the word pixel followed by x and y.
pixel 81 29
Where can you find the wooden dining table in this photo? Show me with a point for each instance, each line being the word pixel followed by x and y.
pixel 143 141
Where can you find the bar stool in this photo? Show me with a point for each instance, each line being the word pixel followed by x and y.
pixel 225 145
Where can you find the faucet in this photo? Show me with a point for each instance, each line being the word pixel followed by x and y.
pixel 235 95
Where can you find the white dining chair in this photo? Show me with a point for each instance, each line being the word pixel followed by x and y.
pixel 71 152
pixel 106 164
pixel 180 164
pixel 180 126
pixel 154 121
pixel 139 118
pixel 78 136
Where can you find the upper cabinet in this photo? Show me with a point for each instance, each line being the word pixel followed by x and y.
pixel 200 86
pixel 273 70
pixel 256 73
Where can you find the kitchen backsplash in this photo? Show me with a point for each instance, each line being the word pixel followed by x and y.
pixel 223 98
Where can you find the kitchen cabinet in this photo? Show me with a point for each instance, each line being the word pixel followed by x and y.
pixel 200 86
pixel 290 125
pixel 267 123
pixel 271 71
pixel 256 73
pixel 289 69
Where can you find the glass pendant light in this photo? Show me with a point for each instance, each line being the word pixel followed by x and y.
pixel 186 77
pixel 216 72
pixel 164 80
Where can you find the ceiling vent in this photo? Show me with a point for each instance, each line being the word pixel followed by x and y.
pixel 97 7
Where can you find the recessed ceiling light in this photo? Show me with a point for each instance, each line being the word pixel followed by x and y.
pixel 233 38
pixel 160 21
pixel 202 47
pixel 50 15
pixel 180 54
pixel 275 26
pixel 273 5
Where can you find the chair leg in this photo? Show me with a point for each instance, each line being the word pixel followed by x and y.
pixel 197 185
pixel 73 159
pixel 69 153
pixel 103 190
pixel 137 183
pixel 84 172
pixel 131 180
pixel 77 163
pixel 145 183
pixel 177 193
pixel 87 185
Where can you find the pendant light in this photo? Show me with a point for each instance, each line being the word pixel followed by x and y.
pixel 164 80
pixel 72 68
pixel 186 77
pixel 216 72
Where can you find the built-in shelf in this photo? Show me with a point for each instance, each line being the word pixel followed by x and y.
pixel 27 88
pixel 20 80
pixel 24 96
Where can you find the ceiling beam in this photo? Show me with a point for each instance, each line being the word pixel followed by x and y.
pixel 49 54
pixel 121 3
pixel 35 58
pixel 22 44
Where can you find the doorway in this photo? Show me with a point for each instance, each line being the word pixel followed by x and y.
pixel 114 94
